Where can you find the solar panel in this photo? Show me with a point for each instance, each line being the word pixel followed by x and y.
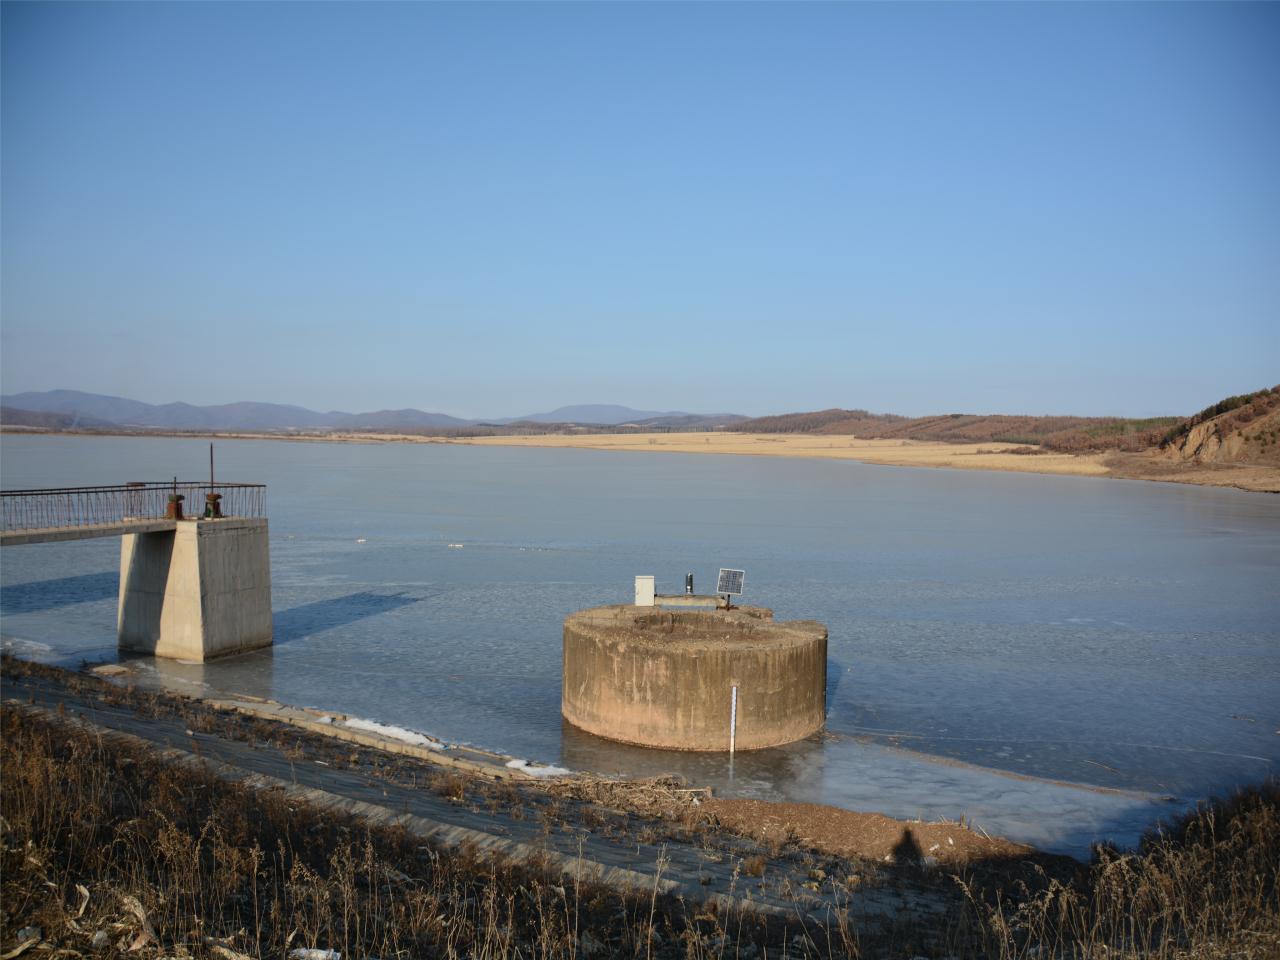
pixel 730 582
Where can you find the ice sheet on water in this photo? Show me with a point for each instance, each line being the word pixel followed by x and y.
pixel 27 649
pixel 1052 815
pixel 537 771
pixel 394 732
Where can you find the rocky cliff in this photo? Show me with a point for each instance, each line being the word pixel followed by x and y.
pixel 1247 433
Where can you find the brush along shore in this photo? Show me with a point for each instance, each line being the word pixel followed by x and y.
pixel 113 844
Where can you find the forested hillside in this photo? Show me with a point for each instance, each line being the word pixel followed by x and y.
pixel 1242 425
pixel 1074 432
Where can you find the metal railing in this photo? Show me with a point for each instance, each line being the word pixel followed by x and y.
pixel 87 506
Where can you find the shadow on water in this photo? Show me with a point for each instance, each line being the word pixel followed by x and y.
pixel 60 592
pixel 310 618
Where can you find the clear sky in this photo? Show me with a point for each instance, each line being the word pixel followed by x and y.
pixel 490 209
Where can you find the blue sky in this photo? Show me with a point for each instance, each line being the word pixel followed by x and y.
pixel 492 209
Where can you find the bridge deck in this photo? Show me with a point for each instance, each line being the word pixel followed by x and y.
pixel 78 513
pixel 13 538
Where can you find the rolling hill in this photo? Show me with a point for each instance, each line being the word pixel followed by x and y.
pixel 1243 429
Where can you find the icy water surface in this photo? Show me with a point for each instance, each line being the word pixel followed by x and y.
pixel 1111 633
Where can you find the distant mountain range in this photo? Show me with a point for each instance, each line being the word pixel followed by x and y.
pixel 73 409
pixel 593 413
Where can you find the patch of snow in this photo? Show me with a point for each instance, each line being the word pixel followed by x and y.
pixel 303 953
pixel 538 771
pixel 395 733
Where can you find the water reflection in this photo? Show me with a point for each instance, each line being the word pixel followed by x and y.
pixel 836 669
pixel 251 673
pixel 764 774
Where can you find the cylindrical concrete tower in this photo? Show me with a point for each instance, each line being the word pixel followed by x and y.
pixel 666 678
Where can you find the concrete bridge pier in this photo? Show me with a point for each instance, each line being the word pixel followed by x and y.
pixel 199 591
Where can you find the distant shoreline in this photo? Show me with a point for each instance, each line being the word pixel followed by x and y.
pixel 900 453
pixel 1007 457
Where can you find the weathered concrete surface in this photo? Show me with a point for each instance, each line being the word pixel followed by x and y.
pixel 15 538
pixel 688 600
pixel 199 591
pixel 663 678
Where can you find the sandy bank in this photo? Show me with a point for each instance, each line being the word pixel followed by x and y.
pixel 898 453
pixel 910 453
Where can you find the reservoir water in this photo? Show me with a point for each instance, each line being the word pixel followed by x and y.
pixel 995 639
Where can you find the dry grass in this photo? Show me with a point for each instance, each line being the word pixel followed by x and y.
pixel 1206 888
pixel 1258 477
pixel 107 850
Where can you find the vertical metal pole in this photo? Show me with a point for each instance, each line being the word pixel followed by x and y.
pixel 733 721
pixel 211 468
